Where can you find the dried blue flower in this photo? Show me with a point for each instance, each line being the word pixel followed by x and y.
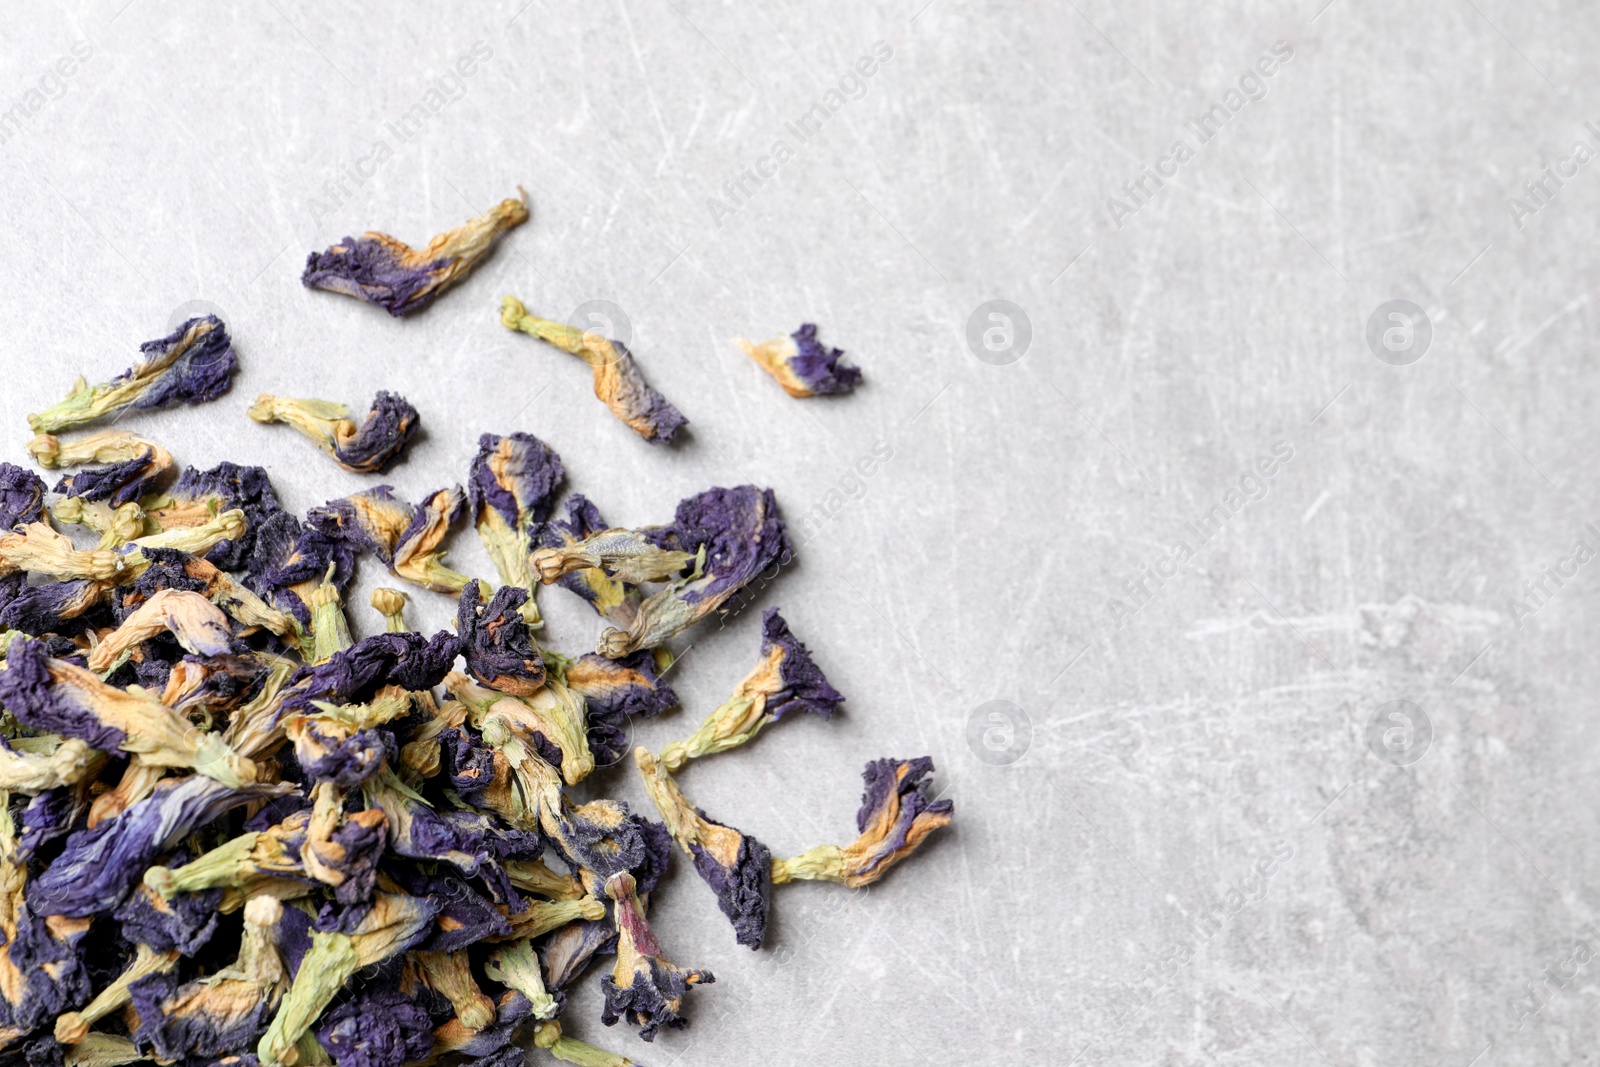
pixel 41 974
pixel 896 816
pixel 354 675
pixel 741 535
pixel 548 724
pixel 131 465
pixel 199 495
pixel 52 694
pixel 617 690
pixel 736 866
pixel 786 680
pixel 192 364
pixel 341 945
pixel 802 365
pixel 618 382
pixel 400 279
pixel 609 597
pixel 221 1013
pixel 378 1027
pixel 183 924
pixel 99 866
pixel 644 987
pixel 496 643
pixel 404 537
pixel 510 488
pixel 365 448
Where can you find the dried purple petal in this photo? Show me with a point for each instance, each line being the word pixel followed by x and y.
pixel 198 495
pixel 896 816
pixel 644 987
pixel 400 279
pixel 741 534
pixel 736 866
pixel 802 365
pixel 131 465
pixel 191 365
pixel 365 448
pixel 786 680
pixel 617 378
pixel 496 643
pixel 378 1027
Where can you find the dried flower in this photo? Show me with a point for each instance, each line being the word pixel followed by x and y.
pixel 450 975
pixel 405 538
pixel 198 625
pixel 222 1013
pixel 786 680
pixel 802 365
pixel 64 762
pixel 617 690
pixel 741 535
pixel 515 965
pixel 53 694
pixel 197 496
pixel 390 273
pixel 98 867
pixel 41 974
pixel 192 364
pixel 609 597
pixel 365 448
pixel 496 643
pixel 510 487
pixel 644 987
pixel 132 465
pixel 549 722
pixel 896 816
pixel 340 946
pixel 736 866
pixel 256 863
pixel 617 378
pixel 73 1026
pixel 549 1036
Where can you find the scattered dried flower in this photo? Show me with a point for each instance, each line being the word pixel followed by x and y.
pixel 802 365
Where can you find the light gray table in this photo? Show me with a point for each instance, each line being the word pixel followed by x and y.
pixel 1196 847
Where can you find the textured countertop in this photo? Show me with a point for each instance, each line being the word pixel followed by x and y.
pixel 1206 583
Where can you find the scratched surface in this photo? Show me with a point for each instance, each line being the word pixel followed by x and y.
pixel 1307 770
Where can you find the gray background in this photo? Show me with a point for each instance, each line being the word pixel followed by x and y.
pixel 1081 906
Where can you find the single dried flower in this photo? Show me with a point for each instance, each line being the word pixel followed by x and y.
pixel 618 382
pixel 741 535
pixel 644 987
pixel 405 538
pixel 896 816
pixel 510 488
pixel 496 643
pixel 450 975
pixel 400 279
pixel 549 722
pixel 364 448
pixel 256 863
pixel 73 1026
pixel 191 365
pixel 785 680
pixel 198 625
pixel 736 866
pixel 197 496
pixel 617 690
pixel 515 965
pixel 131 465
pixel 801 364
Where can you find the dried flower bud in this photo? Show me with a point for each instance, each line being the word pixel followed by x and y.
pixel 400 279
pixel 515 965
pixel 786 680
pixel 132 464
pixel 736 866
pixel 618 382
pixel 741 535
pixel 192 364
pixel 496 643
pixel 896 816
pixel 510 487
pixel 644 987
pixel 802 365
pixel 73 1026
pixel 365 448
pixel 391 604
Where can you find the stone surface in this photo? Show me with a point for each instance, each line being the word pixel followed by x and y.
pixel 1199 850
